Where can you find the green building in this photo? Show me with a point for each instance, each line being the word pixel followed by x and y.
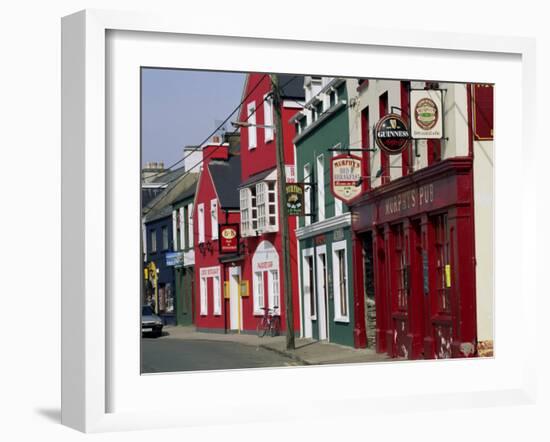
pixel 324 237
pixel 184 262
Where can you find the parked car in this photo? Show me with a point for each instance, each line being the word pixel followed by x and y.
pixel 150 322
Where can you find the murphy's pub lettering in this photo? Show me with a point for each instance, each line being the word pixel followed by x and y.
pixel 409 199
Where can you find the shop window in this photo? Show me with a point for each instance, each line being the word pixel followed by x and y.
pixel 275 298
pixel 402 267
pixel 258 293
pixel 340 278
pixel 204 298
pixel 217 295
pixel 309 288
pixel 441 230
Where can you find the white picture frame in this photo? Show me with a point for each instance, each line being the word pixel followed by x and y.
pixel 91 368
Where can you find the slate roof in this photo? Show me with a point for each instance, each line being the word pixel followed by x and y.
pixel 293 87
pixel 226 176
pixel 256 178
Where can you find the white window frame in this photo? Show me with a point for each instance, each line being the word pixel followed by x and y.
pixel 307 193
pixel 204 296
pixel 200 215
pixel 274 291
pixel 153 236
pixel 182 228
pixel 252 129
pixel 190 223
pixel 214 218
pixel 336 247
pixel 174 231
pixel 320 175
pixel 268 119
pixel 217 295
pixel 244 198
pixel 265 208
pixel 259 295
pixel 338 205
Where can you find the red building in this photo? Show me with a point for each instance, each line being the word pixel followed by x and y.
pixel 260 264
pixel 216 203
pixel 423 227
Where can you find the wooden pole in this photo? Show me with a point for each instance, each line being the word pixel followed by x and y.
pixel 283 214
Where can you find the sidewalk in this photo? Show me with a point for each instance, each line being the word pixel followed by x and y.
pixel 307 352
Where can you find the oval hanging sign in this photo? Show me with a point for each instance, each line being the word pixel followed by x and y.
pixel 392 134
pixel 345 177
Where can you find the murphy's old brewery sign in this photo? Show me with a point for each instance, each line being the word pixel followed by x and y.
pixel 426 110
pixel 392 134
pixel 345 177
pixel 229 238
pixel 295 199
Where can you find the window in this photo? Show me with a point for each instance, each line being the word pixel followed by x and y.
pixel 153 241
pixel 165 238
pixel 251 114
pixel 310 288
pixel 214 218
pixel 266 204
pixel 249 221
pixel 201 223
pixel 190 224
pixel 175 230
pixel 384 160
pixel 402 268
pixel 320 188
pixel 268 118
pixel 365 141
pixel 204 298
pixel 332 97
pixel 217 295
pixel 181 227
pixel 307 194
pixel 340 277
pixel 442 262
pixel 258 292
pixel 275 297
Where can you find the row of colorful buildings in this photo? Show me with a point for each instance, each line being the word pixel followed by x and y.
pixel 392 247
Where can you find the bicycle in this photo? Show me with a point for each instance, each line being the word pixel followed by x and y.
pixel 269 323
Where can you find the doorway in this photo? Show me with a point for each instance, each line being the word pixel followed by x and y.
pixel 368 290
pixel 235 307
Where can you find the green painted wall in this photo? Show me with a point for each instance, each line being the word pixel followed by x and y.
pixel 332 130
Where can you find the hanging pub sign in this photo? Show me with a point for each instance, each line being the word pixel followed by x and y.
pixel 392 134
pixel 229 238
pixel 426 114
pixel 345 177
pixel 295 199
pixel 483 111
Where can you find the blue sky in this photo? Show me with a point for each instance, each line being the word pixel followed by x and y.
pixel 182 107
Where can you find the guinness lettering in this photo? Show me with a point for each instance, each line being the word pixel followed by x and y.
pixel 392 134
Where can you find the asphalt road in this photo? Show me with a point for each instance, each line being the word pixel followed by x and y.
pixel 163 355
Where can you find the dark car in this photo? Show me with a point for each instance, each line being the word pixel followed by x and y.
pixel 150 322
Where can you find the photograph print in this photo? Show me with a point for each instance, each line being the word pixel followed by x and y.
pixel 293 220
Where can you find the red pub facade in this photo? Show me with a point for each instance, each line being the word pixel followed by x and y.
pixel 422 228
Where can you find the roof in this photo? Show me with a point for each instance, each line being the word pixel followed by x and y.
pixel 292 86
pixel 256 178
pixel 226 176
pixel 161 205
pixel 186 193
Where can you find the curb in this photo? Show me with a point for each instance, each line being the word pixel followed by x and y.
pixel 287 354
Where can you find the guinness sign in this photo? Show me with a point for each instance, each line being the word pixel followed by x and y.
pixel 392 134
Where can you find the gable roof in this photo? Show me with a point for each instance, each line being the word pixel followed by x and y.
pixel 292 86
pixel 226 177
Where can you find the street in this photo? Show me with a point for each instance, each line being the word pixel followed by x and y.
pixel 164 354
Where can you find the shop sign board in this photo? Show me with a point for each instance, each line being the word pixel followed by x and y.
pixel 392 134
pixel 483 111
pixel 295 199
pixel 426 114
pixel 229 238
pixel 174 259
pixel 345 177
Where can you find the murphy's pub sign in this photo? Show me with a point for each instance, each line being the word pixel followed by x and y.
pixel 229 238
pixel 345 177
pixel 295 199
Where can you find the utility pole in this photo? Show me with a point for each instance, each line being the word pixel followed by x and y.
pixel 283 214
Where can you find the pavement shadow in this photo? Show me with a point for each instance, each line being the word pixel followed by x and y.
pixel 51 414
